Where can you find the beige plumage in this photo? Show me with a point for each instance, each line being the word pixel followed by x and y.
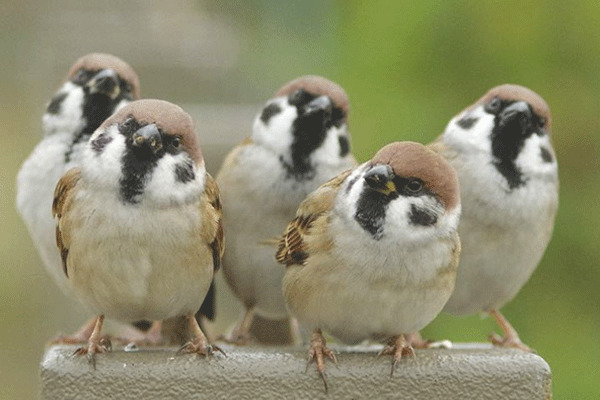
pixel 373 252
pixel 299 141
pixel 95 86
pixel 139 224
pixel 502 151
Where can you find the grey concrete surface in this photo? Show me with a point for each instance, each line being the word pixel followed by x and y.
pixel 468 371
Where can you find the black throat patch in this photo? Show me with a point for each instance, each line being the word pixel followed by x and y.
pixel 96 108
pixel 137 164
pixel 309 131
pixel 508 139
pixel 371 210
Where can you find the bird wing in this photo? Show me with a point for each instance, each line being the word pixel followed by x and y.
pixel 309 229
pixel 231 159
pixel 63 195
pixel 212 236
pixel 212 214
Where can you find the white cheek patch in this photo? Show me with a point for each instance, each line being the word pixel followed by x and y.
pixel 476 138
pixel 69 119
pixel 276 135
pixel 329 151
pixel 163 187
pixel 104 167
pixel 400 227
pixel 537 157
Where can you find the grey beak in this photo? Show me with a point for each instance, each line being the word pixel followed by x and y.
pixel 105 82
pixel 321 103
pixel 380 178
pixel 516 112
pixel 148 135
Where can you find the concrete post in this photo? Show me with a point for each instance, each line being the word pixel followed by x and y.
pixel 468 371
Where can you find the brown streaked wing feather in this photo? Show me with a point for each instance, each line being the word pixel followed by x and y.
pixel 214 216
pixel 60 204
pixel 293 246
pixel 212 235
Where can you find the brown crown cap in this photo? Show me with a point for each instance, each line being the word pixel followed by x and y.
pixel 98 61
pixel 319 86
pixel 413 160
pixel 170 118
pixel 513 92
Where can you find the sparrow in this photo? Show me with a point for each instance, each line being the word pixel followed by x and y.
pixel 139 222
pixel 299 140
pixel 502 151
pixel 373 252
pixel 96 86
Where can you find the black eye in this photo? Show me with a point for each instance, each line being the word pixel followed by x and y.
pixel 173 144
pixel 494 106
pixel 414 186
pixel 542 122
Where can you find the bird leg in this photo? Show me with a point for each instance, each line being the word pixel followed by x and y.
pixel 397 347
pixel 510 338
pixel 81 336
pixel 198 343
pixel 96 343
pixel 152 337
pixel 317 352
pixel 240 334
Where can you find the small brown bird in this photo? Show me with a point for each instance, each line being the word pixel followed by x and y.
pixel 139 223
pixel 299 141
pixel 373 252
pixel 502 151
pixel 96 86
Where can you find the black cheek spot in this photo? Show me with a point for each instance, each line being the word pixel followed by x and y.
pixel 55 103
pixel 100 143
pixel 344 145
pixel 467 122
pixel 184 173
pixel 420 216
pixel 546 155
pixel 268 112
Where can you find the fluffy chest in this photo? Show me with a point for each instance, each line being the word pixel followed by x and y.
pixel 131 263
pixel 387 261
pixel 258 185
pixel 106 217
pixel 487 198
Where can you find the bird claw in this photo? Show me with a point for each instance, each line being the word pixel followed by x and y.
pixel 200 348
pixel 397 348
pixel 102 346
pixel 509 341
pixel 317 353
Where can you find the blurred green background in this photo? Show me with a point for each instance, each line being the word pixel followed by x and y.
pixel 408 68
